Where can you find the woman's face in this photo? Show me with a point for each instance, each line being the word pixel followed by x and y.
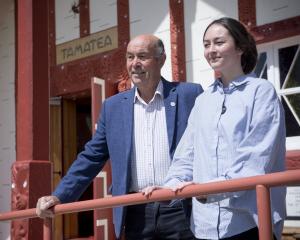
pixel 220 50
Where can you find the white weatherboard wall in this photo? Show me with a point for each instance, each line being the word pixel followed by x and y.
pixel 268 11
pixel 197 15
pixel 7 108
pixel 66 21
pixel 152 17
pixel 103 15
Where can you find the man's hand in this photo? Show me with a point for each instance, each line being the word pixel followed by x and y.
pixel 44 206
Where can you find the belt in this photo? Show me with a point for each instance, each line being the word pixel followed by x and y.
pixel 171 203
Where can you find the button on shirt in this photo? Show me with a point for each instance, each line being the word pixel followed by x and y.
pixel 246 139
pixel 150 155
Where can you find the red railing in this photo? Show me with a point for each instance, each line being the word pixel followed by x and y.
pixel 261 183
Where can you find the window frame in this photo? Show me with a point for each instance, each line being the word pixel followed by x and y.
pixel 273 73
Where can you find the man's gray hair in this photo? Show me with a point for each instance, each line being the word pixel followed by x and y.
pixel 160 48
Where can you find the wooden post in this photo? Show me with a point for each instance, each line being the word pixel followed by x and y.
pixel 31 172
pixel 264 212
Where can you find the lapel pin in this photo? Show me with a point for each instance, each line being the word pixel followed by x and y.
pixel 172 104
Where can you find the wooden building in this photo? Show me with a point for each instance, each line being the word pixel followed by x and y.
pixel 59 59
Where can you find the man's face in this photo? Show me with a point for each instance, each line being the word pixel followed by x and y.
pixel 143 62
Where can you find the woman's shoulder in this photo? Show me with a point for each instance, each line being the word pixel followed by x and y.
pixel 259 82
pixel 262 87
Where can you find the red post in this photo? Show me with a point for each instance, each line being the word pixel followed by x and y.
pixel 31 172
pixel 178 57
pixel 47 229
pixel 264 212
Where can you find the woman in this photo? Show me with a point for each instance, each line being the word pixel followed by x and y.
pixel 236 129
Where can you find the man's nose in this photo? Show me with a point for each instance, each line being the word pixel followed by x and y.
pixel 136 61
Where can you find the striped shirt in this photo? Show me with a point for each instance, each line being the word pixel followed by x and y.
pixel 234 132
pixel 150 155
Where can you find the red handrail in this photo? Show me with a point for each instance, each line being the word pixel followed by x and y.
pixel 261 183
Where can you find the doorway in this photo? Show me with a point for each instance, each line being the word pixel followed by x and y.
pixel 84 134
pixel 70 129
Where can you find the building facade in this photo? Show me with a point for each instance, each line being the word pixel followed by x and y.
pixel 60 59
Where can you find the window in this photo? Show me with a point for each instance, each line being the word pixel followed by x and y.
pixel 279 62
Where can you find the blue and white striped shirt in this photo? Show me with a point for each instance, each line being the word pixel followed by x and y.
pixel 247 139
pixel 150 156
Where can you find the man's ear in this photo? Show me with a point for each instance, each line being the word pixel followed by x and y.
pixel 162 59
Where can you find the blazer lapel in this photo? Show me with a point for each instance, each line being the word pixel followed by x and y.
pixel 170 101
pixel 127 104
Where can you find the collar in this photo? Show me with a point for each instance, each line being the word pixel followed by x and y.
pixel 158 91
pixel 239 81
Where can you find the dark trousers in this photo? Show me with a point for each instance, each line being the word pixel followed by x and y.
pixel 251 234
pixel 157 221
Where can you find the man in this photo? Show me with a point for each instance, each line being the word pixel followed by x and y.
pixel 138 131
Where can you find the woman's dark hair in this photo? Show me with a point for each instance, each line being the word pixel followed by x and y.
pixel 243 41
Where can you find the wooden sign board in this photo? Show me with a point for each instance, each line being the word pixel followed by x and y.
pixel 84 47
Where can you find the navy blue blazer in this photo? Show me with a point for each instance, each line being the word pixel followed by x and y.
pixel 113 140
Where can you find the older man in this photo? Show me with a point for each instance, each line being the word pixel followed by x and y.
pixel 138 130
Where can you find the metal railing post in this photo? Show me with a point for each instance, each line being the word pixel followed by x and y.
pixel 47 229
pixel 264 212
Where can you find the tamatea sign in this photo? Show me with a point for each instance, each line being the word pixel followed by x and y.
pixel 84 47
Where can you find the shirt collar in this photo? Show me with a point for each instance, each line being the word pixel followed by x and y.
pixel 244 79
pixel 158 92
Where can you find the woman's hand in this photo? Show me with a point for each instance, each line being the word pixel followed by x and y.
pixel 181 186
pixel 147 191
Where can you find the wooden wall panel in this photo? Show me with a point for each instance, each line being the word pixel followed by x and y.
pixel 69 155
pixel 56 157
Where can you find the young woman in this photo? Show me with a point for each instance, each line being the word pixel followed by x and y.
pixel 236 129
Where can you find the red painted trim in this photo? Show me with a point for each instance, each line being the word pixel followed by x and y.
pixel 52 34
pixel 32 114
pixel 177 40
pixel 267 32
pixel 98 183
pixel 247 12
pixel 16 61
pixel 24 77
pixel 263 202
pixel 103 213
pixel 74 77
pixel 40 88
pixel 277 30
pixel 84 11
pixel 37 176
pixel 32 80
pixel 293 159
